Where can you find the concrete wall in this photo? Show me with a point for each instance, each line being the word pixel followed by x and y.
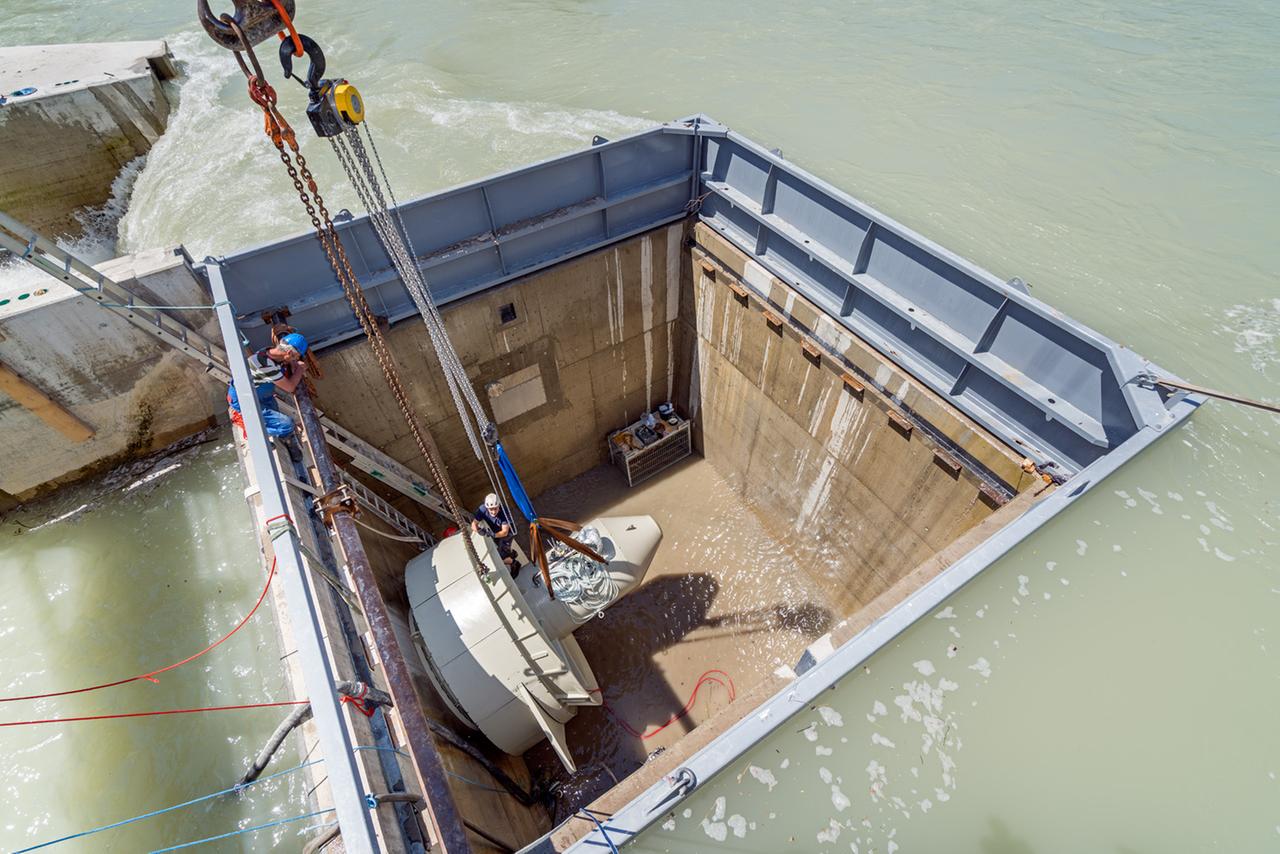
pixel 835 480
pixel 137 394
pixel 588 352
pixel 860 499
pixel 64 146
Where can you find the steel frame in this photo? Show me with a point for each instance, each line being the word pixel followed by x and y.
pixel 341 768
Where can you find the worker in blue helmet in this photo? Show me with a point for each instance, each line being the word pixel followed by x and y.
pixel 279 367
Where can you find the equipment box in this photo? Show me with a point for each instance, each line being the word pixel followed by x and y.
pixel 642 452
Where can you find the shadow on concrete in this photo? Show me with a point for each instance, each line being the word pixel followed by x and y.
pixel 621 648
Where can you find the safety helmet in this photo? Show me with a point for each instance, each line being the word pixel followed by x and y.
pixel 294 341
pixel 491 501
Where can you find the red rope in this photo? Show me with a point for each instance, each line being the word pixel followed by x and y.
pixel 163 712
pixel 358 702
pixel 645 736
pixel 151 675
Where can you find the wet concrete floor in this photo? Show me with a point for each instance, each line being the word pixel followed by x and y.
pixel 720 595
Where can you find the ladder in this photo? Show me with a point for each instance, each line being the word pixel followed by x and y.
pixel 376 505
pixel 40 252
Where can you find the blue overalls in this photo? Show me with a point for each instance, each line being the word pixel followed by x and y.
pixel 276 422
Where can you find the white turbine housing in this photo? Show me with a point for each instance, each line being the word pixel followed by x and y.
pixel 501 652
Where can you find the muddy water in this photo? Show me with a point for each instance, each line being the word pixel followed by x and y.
pixel 721 595
pixel 123 575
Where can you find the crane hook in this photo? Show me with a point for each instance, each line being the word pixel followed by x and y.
pixel 257 19
pixel 315 73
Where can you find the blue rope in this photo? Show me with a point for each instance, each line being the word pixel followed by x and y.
pixel 600 827
pixel 169 809
pixel 242 832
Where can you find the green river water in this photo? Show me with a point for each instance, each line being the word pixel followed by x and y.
pixel 1112 685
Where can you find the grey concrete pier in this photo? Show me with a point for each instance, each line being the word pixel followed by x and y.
pixel 89 109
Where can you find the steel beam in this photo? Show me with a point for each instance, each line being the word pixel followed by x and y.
pixel 447 826
pixel 341 768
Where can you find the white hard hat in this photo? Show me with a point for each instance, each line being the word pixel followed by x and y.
pixel 491 501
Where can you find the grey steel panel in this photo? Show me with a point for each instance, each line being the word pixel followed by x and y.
pixel 474 236
pixel 336 746
pixel 1057 390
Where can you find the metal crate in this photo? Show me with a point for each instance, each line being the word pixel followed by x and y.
pixel 643 463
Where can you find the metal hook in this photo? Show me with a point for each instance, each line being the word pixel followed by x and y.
pixel 258 20
pixel 314 53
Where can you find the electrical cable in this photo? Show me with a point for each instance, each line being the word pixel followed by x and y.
pixel 708 676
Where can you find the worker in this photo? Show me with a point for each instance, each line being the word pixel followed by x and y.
pixel 497 522
pixel 279 367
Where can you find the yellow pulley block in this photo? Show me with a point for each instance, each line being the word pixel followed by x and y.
pixel 335 106
pixel 349 104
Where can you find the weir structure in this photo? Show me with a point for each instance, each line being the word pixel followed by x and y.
pixel 894 416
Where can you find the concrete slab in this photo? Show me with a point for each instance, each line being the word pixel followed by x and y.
pixel 93 110
pixel 57 69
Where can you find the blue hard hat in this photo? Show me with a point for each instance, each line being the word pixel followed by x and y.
pixel 295 341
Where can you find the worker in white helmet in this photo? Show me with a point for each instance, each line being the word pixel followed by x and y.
pixel 493 519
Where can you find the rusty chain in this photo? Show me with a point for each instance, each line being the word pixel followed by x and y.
pixel 285 140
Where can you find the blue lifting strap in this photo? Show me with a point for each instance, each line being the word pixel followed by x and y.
pixel 516 488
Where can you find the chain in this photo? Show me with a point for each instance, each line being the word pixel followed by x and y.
pixel 285 140
pixel 351 153
pixel 398 245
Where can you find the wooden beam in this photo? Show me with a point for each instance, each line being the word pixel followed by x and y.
pixel 39 404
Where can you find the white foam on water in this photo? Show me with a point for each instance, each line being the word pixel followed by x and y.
pixel 830 716
pixel 155 475
pixel 764 775
pixel 831 834
pixel 715 826
pixel 1256 329
pixel 62 518
pixel 838 799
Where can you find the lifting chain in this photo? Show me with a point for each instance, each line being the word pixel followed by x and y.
pixel 286 142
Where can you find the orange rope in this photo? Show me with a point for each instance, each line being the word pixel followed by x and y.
pixel 293 31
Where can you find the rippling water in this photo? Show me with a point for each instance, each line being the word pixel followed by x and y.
pixel 120 576
pixel 1124 158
